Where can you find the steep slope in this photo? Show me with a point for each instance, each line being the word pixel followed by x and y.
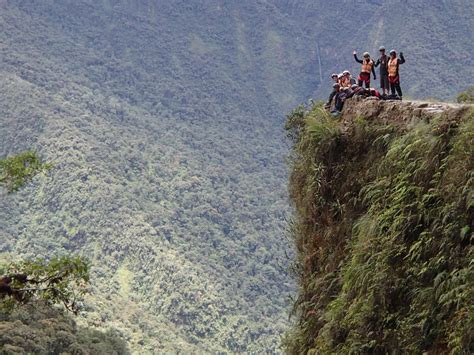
pixel 166 165
pixel 384 228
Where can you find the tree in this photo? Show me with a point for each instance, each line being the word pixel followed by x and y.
pixel 15 171
pixel 59 280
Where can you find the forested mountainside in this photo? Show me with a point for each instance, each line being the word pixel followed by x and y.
pixel 384 224
pixel 163 121
pixel 40 329
pixel 168 170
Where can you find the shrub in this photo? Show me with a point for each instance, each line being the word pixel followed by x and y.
pixel 466 97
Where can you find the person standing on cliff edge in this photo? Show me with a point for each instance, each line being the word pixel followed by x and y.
pixel 383 62
pixel 367 67
pixel 393 72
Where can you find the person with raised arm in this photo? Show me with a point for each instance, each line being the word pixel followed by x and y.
pixel 393 67
pixel 368 66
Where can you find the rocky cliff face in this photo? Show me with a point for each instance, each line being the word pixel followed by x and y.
pixel 384 209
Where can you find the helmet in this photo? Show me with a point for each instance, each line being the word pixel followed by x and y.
pixel 354 86
pixel 333 75
pixel 340 75
pixel 393 51
pixel 336 86
pixel 366 55
pixel 382 49
pixel 346 72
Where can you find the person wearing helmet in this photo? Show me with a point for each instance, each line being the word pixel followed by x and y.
pixel 339 99
pixel 367 66
pixel 383 62
pixel 347 80
pixel 339 78
pixel 338 96
pixel 335 78
pixel 336 86
pixel 393 66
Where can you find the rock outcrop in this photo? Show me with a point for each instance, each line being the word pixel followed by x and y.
pixel 404 112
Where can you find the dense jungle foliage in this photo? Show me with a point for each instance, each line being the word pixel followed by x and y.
pixel 40 329
pixel 35 296
pixel 384 230
pixel 167 168
pixel 15 171
pixel 30 290
pixel 163 121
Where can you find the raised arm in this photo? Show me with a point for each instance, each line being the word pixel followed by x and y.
pixel 356 59
pixel 401 59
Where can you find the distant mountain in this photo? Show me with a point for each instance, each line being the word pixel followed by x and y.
pixel 164 119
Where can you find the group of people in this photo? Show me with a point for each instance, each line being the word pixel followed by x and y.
pixel 345 86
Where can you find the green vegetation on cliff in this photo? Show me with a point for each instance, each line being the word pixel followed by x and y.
pixel 384 232
pixel 466 97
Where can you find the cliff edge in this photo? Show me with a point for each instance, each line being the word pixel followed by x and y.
pixel 383 227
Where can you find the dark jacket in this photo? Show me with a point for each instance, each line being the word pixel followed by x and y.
pixel 383 61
